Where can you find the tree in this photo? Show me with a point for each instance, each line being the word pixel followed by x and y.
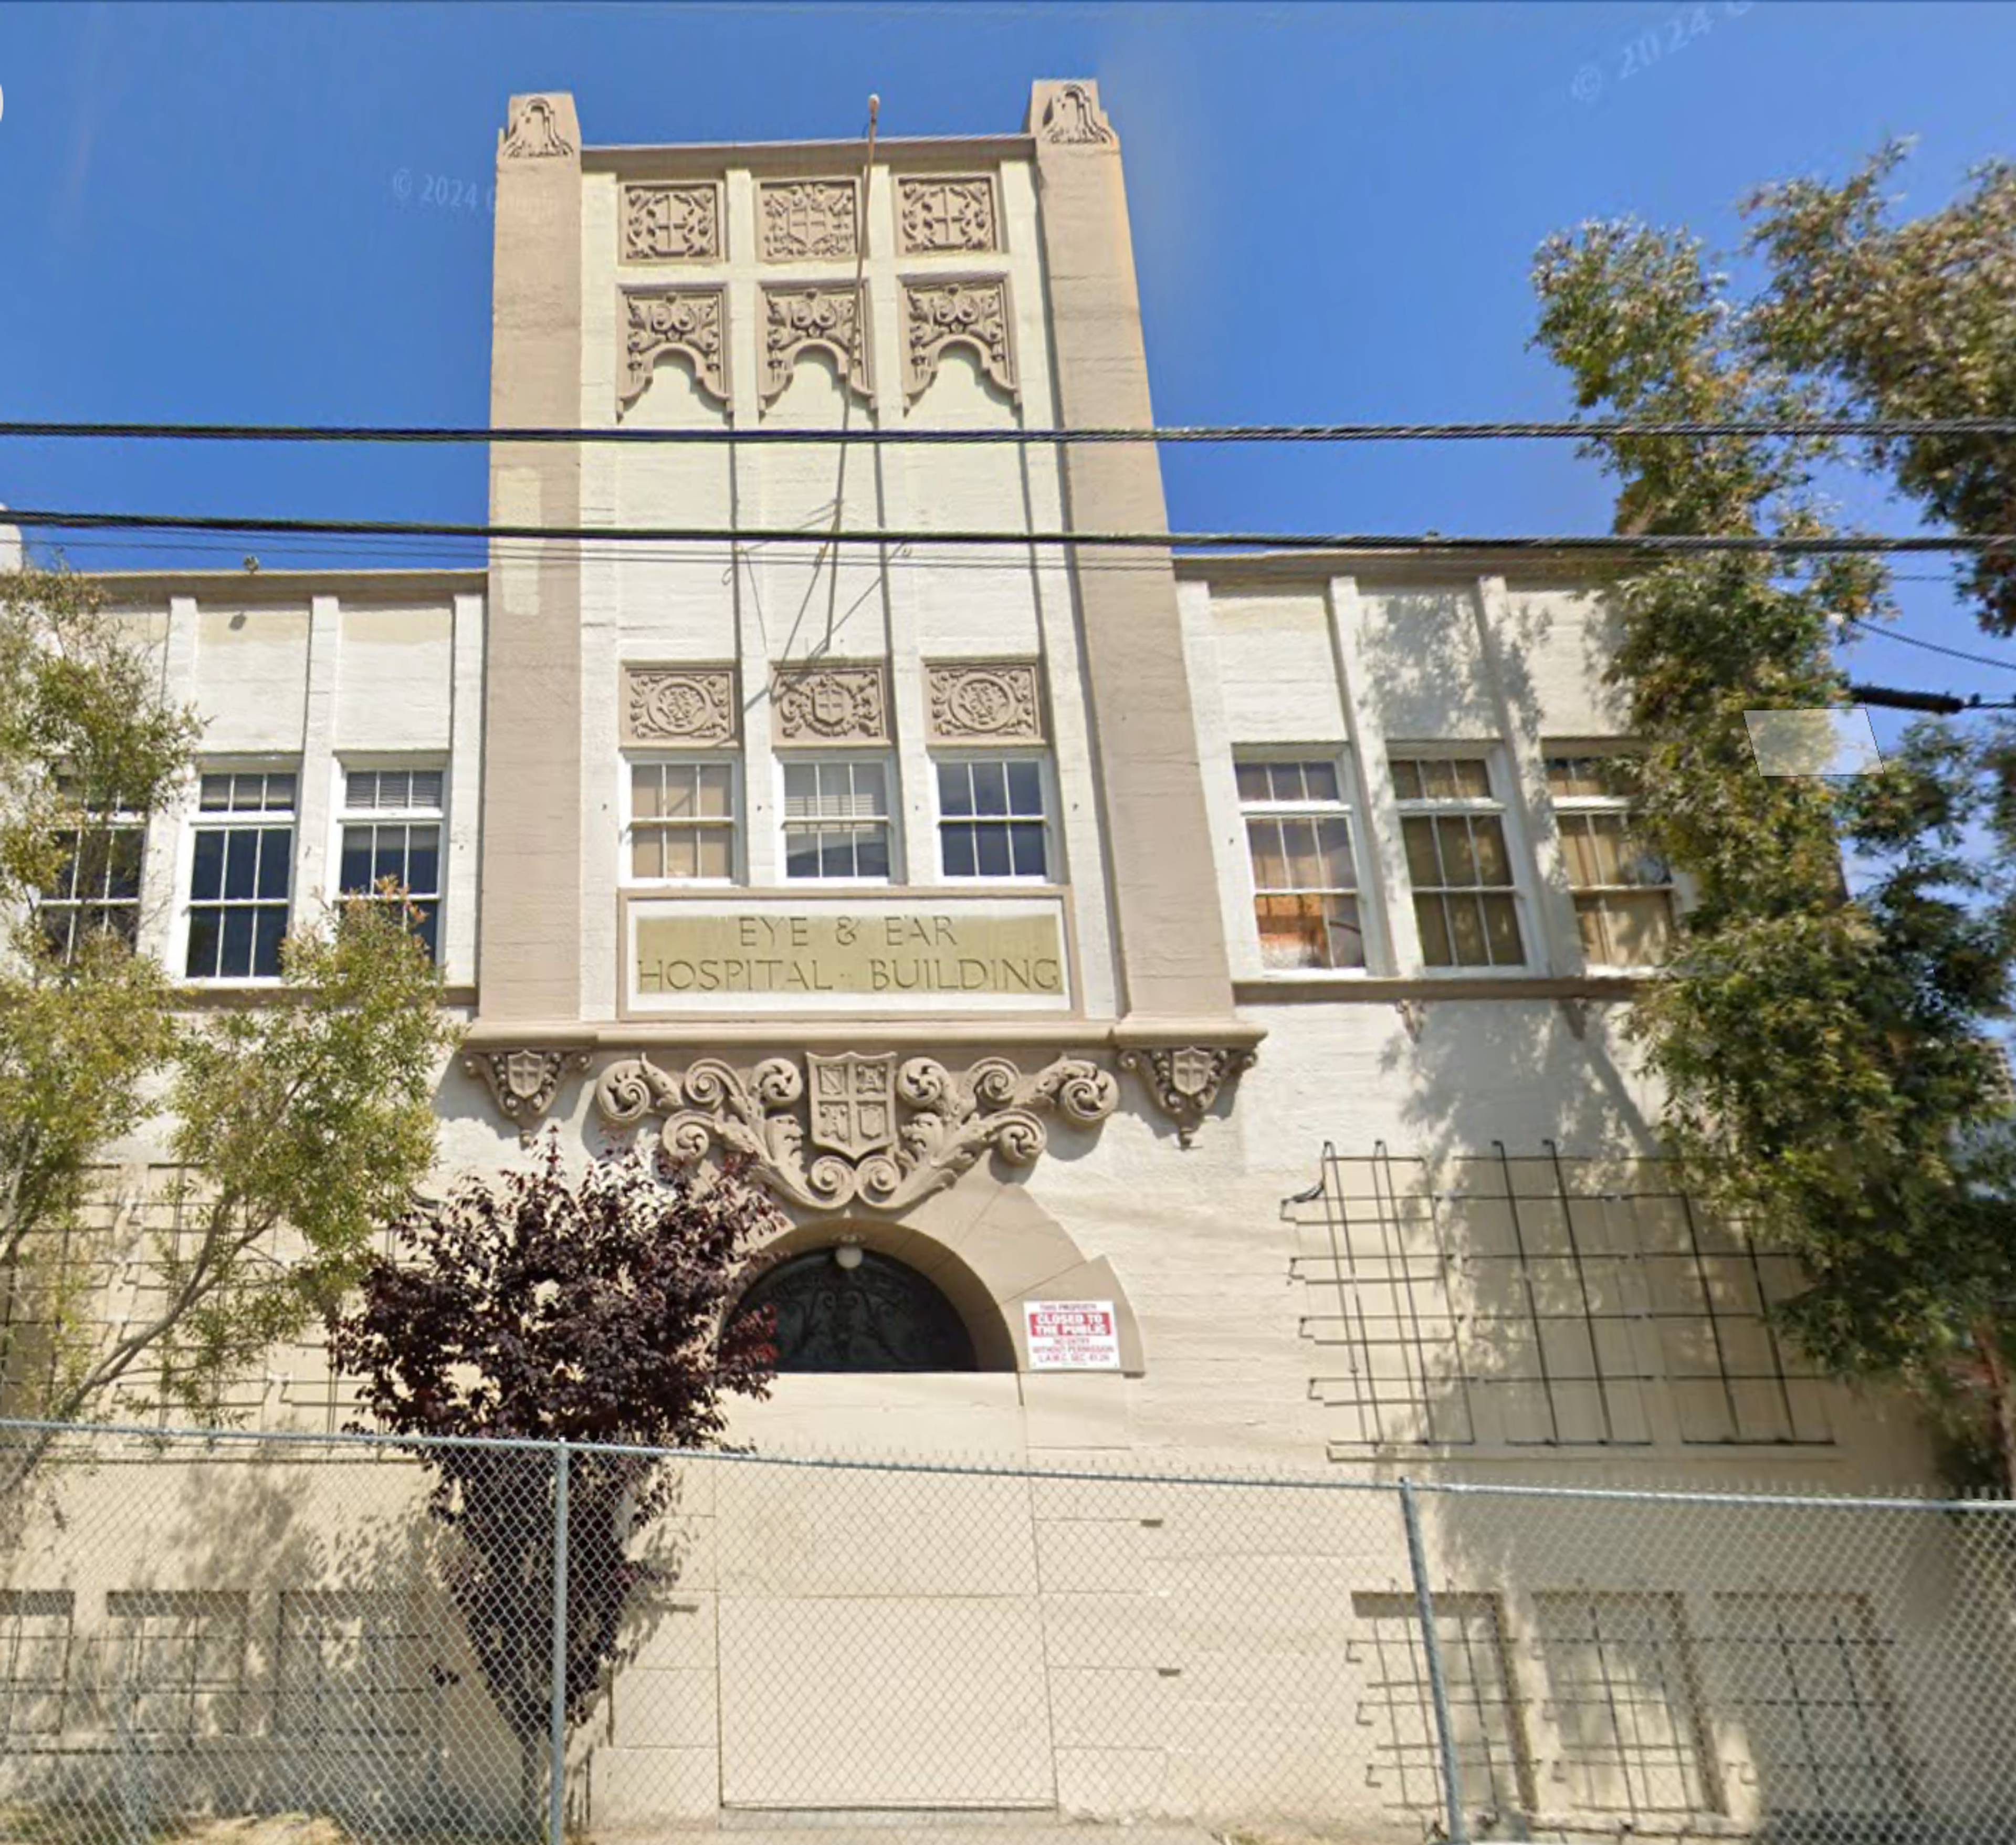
pixel 543 1306
pixel 300 1125
pixel 1824 1055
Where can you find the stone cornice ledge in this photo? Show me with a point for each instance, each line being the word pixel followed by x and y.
pixel 743 1033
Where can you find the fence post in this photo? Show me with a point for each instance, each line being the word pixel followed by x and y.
pixel 1432 1650
pixel 556 1773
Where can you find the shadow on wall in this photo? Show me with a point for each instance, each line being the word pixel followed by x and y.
pixel 274 1631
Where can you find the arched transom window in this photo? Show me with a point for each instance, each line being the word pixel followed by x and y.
pixel 849 1309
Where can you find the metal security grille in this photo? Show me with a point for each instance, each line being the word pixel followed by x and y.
pixel 1485 1722
pixel 1624 1700
pixel 207 1630
pixel 1542 1301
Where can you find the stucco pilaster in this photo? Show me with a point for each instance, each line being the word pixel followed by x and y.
pixel 1171 932
pixel 529 951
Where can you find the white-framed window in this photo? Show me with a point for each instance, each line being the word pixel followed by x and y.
pixel 1298 843
pixel 392 827
pixel 680 824
pixel 1623 890
pixel 1459 864
pixel 838 819
pixel 993 817
pixel 96 888
pixel 241 874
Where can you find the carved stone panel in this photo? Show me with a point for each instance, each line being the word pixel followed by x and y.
pixel 831 705
pixel 986 702
pixel 807 218
pixel 882 1133
pixel 1184 1079
pixel 533 130
pixel 828 314
pixel 935 213
pixel 689 321
pixel 684 705
pixel 973 314
pixel 523 1084
pixel 672 223
pixel 1073 118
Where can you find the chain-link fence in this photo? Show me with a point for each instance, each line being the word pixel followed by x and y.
pixel 391 1641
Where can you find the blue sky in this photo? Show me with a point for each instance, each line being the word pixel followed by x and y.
pixel 219 213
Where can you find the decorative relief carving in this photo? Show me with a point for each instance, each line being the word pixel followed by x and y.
pixel 684 705
pixel 881 1133
pixel 1184 1079
pixel 826 705
pixel 807 218
pixel 1413 1016
pixel 523 1084
pixel 533 130
pixel 685 320
pixel 1073 119
pixel 934 214
pixel 941 314
pixel 671 223
pixel 986 702
pixel 823 314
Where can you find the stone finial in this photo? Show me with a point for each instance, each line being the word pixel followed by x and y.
pixel 1065 113
pixel 541 128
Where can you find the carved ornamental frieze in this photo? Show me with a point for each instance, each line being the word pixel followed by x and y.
pixel 688 321
pixel 825 1132
pixel 672 223
pixel 973 314
pixel 985 702
pixel 686 705
pixel 807 218
pixel 935 214
pixel 533 130
pixel 827 315
pixel 1184 1079
pixel 523 1083
pixel 830 705
pixel 1072 118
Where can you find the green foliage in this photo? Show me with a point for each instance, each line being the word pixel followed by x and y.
pixel 300 1122
pixel 1822 1055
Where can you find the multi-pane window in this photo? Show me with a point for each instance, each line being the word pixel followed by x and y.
pixel 392 829
pixel 1305 884
pixel 1623 892
pixel 352 1664
pixel 682 821
pixel 1466 901
pixel 990 819
pixel 181 1658
pixel 836 819
pixel 96 889
pixel 241 875
pixel 34 1661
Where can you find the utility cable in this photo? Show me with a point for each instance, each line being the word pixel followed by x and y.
pixel 1876 431
pixel 1413 543
pixel 1882 633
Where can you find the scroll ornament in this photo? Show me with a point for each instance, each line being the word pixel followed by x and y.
pixel 872 1132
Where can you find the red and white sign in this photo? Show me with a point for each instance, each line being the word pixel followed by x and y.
pixel 1072 1334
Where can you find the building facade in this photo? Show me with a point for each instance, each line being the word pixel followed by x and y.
pixel 1177 1001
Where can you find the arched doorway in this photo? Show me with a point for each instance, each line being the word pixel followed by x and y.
pixel 854 1310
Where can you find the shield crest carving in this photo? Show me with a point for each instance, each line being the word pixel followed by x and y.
pixel 853 1102
pixel 528 1074
pixel 1192 1072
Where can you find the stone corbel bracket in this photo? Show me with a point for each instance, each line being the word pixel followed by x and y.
pixel 856 1128
pixel 523 1083
pixel 1184 1079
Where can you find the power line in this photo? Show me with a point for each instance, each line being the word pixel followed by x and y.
pixel 1944 704
pixel 1429 544
pixel 1878 430
pixel 1931 647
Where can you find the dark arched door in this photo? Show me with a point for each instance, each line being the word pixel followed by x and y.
pixel 875 1315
